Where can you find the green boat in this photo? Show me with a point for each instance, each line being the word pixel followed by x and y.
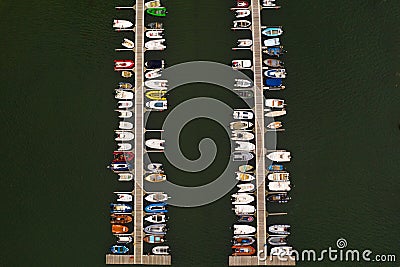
pixel 157 11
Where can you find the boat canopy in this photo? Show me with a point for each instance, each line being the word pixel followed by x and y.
pixel 273 82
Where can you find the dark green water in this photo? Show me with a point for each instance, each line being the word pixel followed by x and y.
pixel 57 123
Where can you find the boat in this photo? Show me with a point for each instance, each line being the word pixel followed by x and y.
pixel 160 250
pixel 156 218
pixel 124 135
pixel 242 83
pixel 243 250
pixel 240 125
pixel 119 249
pixel 244 177
pixel 156 229
pixel 123 85
pixel 242 198
pixel 245 43
pixel 155 143
pixel 274 63
pixel 245 218
pixel 125 125
pixel 124 146
pixel 154 3
pixel 154 64
pixel 242 3
pixel 119 229
pixel 124 239
pixel 125 177
pixel 241 24
pixel 156 208
pixel 279 156
pixel 274 84
pixel 123 94
pixel 281 251
pixel 126 74
pixel 274 125
pixel 245 93
pixel 122 197
pixel 125 104
pixel 157 84
pixel 281 229
pixel 120 208
pixel 153 74
pixel 153 34
pixel 279 186
pixel 245 187
pixel 128 43
pixel 154 239
pixel 272 42
pixel 156 178
pixel 118 167
pixel 120 156
pixel 155 25
pixel 155 45
pixel 122 24
pixel 274 103
pixel 241 64
pixel 243 240
pixel 157 105
pixel 278 176
pixel 242 135
pixel 270 4
pixel 244 210
pixel 120 219
pixel 155 168
pixel 275 113
pixel 242 156
pixel 156 94
pixel 243 115
pixel 241 13
pixel 157 11
pixel 123 64
pixel 277 240
pixel 274 51
pixel 245 168
pixel 243 229
pixel 272 31
pixel 278 198
pixel 244 146
pixel 157 197
pixel 275 73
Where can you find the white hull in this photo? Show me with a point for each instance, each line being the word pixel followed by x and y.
pixel 244 209
pixel 125 104
pixel 157 197
pixel 157 104
pixel 241 24
pixel 241 64
pixel 276 113
pixel 272 42
pixel 157 84
pixel 153 74
pixel 124 136
pixel 155 167
pixel 125 177
pixel 160 250
pixel 156 178
pixel 154 3
pixel 240 229
pixel 245 188
pixel 122 24
pixel 274 125
pixel 274 103
pixel 242 13
pixel 242 198
pixel 124 239
pixel 278 176
pixel 128 43
pixel 124 146
pixel 242 83
pixel 244 146
pixel 155 143
pixel 243 115
pixel 122 94
pixel 245 43
pixel 281 251
pixel 242 136
pixel 279 186
pixel 154 34
pixel 156 218
pixel 124 197
pixel 240 125
pixel 279 156
pixel 125 125
pixel 244 177
pixel 155 45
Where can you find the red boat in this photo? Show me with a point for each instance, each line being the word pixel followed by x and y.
pixel 123 64
pixel 121 156
pixel 243 250
pixel 241 3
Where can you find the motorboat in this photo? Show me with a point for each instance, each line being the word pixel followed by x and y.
pixel 156 229
pixel 242 135
pixel 281 251
pixel 153 74
pixel 274 51
pixel 277 240
pixel 242 3
pixel 279 156
pixel 242 156
pixel 155 168
pixel 275 73
pixel 128 43
pixel 274 84
pixel 245 218
pixel 275 167
pixel 157 11
pixel 245 168
pixel 123 64
pixel 241 64
pixel 155 143
pixel 245 42
pixel 160 250
pixel 154 64
pixel 120 219
pixel 154 239
pixel 120 156
pixel 157 84
pixel 155 45
pixel 125 177
pixel 241 24
pixel 272 42
pixel 241 13
pixel 240 125
pixel 156 218
pixel 125 104
pixel 124 239
pixel 279 186
pixel 278 198
pixel 278 176
pixel 244 210
pixel 122 24
pixel 123 85
pixel 157 197
pixel 270 4
pixel 154 3
pixel 125 125
pixel 243 229
pixel 126 74
pixel 124 146
pixel 123 94
pixel 120 167
pixel 156 178
pixel 244 177
pixel 157 105
pixel 281 229
pixel 122 197
pixel 154 34
pixel 244 146
pixel 119 229
pixel 155 25
pixel 274 103
pixel 245 187
pixel 120 208
pixel 275 113
pixel 274 63
pixel 156 94
pixel 245 93
pixel 242 198
pixel 243 250
pixel 242 83
pixel 124 135
pixel 243 240
pixel 119 249
pixel 156 208
pixel 272 31
pixel 243 115
pixel 274 125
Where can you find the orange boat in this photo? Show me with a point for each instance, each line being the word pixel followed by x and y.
pixel 243 250
pixel 122 218
pixel 119 229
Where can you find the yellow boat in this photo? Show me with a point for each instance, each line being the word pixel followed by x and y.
pixel 156 94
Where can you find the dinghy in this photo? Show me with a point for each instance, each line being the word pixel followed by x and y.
pixel 154 239
pixel 275 73
pixel 156 229
pixel 155 45
pixel 241 64
pixel 278 176
pixel 120 219
pixel 119 229
pixel 123 94
pixel 282 229
pixel 156 208
pixel 156 178
pixel 125 125
pixel 153 34
pixel 156 94
pixel 120 208
pixel 157 84
pixel 243 115
pixel 241 13
pixel 156 218
pixel 123 85
pixel 277 240
pixel 279 156
pixel 244 146
pixel 272 31
pixel 245 168
pixel 275 113
pixel 274 125
pixel 245 218
pixel 153 74
pixel 125 177
pixel 125 104
pixel 124 146
pixel 279 186
pixel 243 240
pixel 123 64
pixel 241 24
pixel 122 24
pixel 246 187
pixel 118 249
pixel 272 42
pixel 244 210
pixel 243 229
pixel 157 105
pixel 155 143
pixel 242 198
pixel 243 250
pixel 157 197
pixel 122 197
pixel 124 135
pixel 274 63
pixel 245 43
pixel 244 177
pixel 123 239
pixel 128 43
pixel 240 125
pixel 242 136
pixel 155 168
pixel 242 156
pixel 160 250
pixel 278 198
pixel 274 103
pixel 157 11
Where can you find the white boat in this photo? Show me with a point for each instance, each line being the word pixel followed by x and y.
pixel 155 45
pixel 124 113
pixel 241 64
pixel 128 43
pixel 155 168
pixel 240 125
pixel 242 83
pixel 125 125
pixel 274 125
pixel 244 209
pixel 125 104
pixel 157 197
pixel 155 143
pixel 126 74
pixel 244 177
pixel 156 218
pixel 241 13
pixel 124 146
pixel 241 24
pixel 280 229
pixel 124 239
pixel 243 115
pixel 272 42
pixel 270 4
pixel 275 73
pixel 157 104
pixel 124 135
pixel 154 3
pixel 279 186
pixel 244 146
pixel 156 178
pixel 123 94
pixel 279 156
pixel 125 176
pixel 153 74
pixel 244 43
pixel 243 229
pixel 275 113
pixel 246 187
pixel 274 103
pixel 281 251
pixel 122 197
pixel 160 250
pixel 154 34
pixel 157 84
pixel 278 176
pixel 122 24
pixel 246 168
pixel 242 198
pixel 242 156
pixel 242 135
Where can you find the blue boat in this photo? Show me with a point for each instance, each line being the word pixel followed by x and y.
pixel 120 208
pixel 118 249
pixel 273 82
pixel 156 207
pixel 275 73
pixel 274 51
pixel 120 166
pixel 275 167
pixel 272 31
pixel 154 64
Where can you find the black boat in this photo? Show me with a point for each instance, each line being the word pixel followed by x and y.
pixel 278 198
pixel 155 64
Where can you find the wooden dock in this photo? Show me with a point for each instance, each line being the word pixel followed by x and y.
pixel 145 259
pixel 255 261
